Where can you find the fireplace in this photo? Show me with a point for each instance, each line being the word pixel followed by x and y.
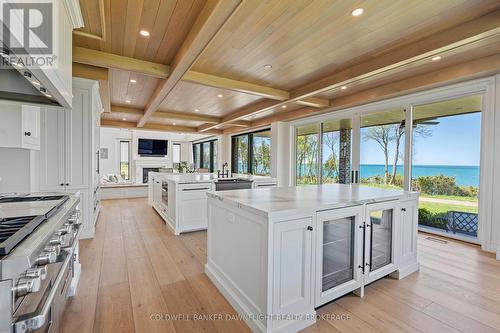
pixel 145 172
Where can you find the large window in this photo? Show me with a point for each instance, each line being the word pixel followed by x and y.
pixel 251 153
pixel 205 155
pixel 445 168
pixel 307 152
pixel 125 160
pixel 328 142
pixel 176 158
pixel 382 148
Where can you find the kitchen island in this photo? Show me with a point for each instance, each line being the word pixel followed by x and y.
pixel 181 198
pixel 277 254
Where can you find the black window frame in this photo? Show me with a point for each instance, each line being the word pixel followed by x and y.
pixel 199 164
pixel 234 159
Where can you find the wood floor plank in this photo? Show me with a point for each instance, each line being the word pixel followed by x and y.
pixel 136 267
pixel 418 320
pixel 114 309
pixel 456 320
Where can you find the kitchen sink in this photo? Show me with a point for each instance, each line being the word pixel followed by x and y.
pixel 232 184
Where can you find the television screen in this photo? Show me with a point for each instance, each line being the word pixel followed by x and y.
pixel 152 147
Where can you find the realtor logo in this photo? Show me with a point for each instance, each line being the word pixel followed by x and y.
pixel 27 27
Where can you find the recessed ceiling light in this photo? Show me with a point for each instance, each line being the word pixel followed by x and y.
pixel 283 106
pixel 268 66
pixel 133 81
pixel 196 110
pixel 124 119
pixel 127 101
pixel 220 95
pixel 35 83
pixel 144 33
pixel 436 58
pixel 174 124
pixel 343 87
pixel 357 12
pixel 49 96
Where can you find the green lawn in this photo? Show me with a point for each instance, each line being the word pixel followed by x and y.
pixel 435 207
pixel 449 197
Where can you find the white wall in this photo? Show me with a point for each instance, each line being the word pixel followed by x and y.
pixel 111 137
pixel 15 170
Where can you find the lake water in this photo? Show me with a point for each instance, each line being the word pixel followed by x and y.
pixel 464 175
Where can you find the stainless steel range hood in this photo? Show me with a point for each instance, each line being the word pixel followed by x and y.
pixel 15 87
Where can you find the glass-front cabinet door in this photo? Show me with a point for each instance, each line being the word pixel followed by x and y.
pixel 379 240
pixel 339 253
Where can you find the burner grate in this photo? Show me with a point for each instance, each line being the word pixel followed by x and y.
pixel 13 230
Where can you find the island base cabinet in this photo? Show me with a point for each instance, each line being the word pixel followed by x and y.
pixel 292 274
pixel 381 239
pixel 339 253
pixel 407 239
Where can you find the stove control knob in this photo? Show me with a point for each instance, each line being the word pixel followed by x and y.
pixel 46 258
pixel 37 272
pixel 53 248
pixel 26 285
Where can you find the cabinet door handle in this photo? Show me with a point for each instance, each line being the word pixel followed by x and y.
pixel 67 184
pixel 309 228
pixel 62 184
pixel 27 133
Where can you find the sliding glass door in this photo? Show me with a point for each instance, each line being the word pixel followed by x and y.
pixel 445 169
pixel 433 148
pixel 323 153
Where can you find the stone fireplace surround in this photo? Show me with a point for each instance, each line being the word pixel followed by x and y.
pixel 140 165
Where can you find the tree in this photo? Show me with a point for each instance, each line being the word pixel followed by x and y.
pixel 390 136
pixel 382 135
pixel 331 165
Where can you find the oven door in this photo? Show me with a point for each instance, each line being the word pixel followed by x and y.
pixel 42 311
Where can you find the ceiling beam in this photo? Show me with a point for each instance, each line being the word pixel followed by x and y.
pixel 212 17
pixel 168 114
pixel 235 85
pixel 153 127
pixel 466 71
pixel 108 60
pixel 467 35
pixel 249 88
pixel 90 72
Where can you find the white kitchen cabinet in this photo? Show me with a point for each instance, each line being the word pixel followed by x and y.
pixel 66 158
pixel 406 244
pixel 292 266
pixel 20 125
pixel 339 253
pixel 192 206
pixel 381 238
pixel 30 132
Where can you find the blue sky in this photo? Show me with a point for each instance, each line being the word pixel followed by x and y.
pixel 454 141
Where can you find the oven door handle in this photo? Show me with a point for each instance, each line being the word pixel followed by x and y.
pixel 37 320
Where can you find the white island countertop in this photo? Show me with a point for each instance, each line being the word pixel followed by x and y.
pixel 188 178
pixel 301 199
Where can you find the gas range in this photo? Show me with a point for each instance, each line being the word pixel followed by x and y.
pixel 38 260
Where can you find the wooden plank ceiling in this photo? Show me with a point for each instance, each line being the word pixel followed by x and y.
pixel 216 66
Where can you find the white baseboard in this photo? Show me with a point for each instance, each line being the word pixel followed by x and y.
pixel 403 272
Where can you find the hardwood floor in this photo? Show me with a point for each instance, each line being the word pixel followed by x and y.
pixel 136 273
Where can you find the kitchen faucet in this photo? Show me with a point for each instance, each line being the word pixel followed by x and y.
pixel 226 172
